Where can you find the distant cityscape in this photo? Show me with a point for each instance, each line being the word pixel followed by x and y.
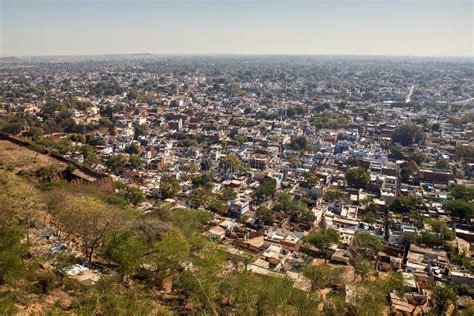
pixel 238 185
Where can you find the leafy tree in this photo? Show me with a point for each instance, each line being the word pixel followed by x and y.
pixel 13 128
pixel 442 297
pixel 407 135
pixel 369 300
pixel 288 204
pixel 462 192
pixel 396 153
pixel 266 189
pixel 217 204
pixel 133 195
pixel 35 132
pixel 357 177
pixel 464 151
pixel 105 121
pixel 265 215
pixel 173 253
pixel 230 163
pixel 135 162
pixel 460 208
pixel 141 130
pixel 395 282
pixel 229 194
pixel 370 243
pixel 442 164
pixel 311 178
pixel 417 157
pixel 299 143
pixel 88 153
pixel 441 228
pixel 12 251
pixel 333 194
pixel 436 127
pixel 20 203
pixel 108 298
pixel 363 268
pixel 323 239
pixel 126 250
pixel 89 219
pixel 322 276
pixel 116 163
pixel 133 149
pixel 169 187
pixel 334 305
pixel 430 239
pixel 403 204
pixel 204 180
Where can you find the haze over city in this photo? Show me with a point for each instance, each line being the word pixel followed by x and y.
pixel 348 27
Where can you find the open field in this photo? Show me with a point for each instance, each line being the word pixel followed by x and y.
pixel 18 158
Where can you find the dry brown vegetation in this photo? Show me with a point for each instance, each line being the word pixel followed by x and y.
pixel 17 158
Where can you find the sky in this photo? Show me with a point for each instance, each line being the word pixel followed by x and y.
pixel 303 27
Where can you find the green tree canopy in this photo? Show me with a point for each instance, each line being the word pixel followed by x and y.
pixel 407 135
pixel 323 239
pixel 169 186
pixel 357 177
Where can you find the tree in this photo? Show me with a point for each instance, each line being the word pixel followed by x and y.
pixel 442 164
pixel 286 203
pixel 462 192
pixel 323 239
pixel 396 153
pixel 204 180
pixel 141 130
pixel 440 228
pixel 133 195
pixel 230 163
pixel 333 194
pixel 169 187
pixel 133 149
pixel 229 194
pixel 403 204
pixel 436 127
pixel 266 189
pixel 407 135
pixel 442 297
pixel 322 276
pixel 14 128
pixel 417 157
pixel 460 208
pixel 19 201
pixel 369 300
pixel 311 178
pixel 299 143
pixel 89 219
pixel 265 215
pixel 12 251
pixel 125 250
pixel 357 177
pixel 371 244
pixel 363 268
pixel 116 163
pixel 135 162
pixel 87 152
pixel 173 252
pixel 35 132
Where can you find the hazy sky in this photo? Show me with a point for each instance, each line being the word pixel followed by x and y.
pixel 381 27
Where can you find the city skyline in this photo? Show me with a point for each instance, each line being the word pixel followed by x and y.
pixel 240 27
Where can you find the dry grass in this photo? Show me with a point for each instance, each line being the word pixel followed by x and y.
pixel 18 158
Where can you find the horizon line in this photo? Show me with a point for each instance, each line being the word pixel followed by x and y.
pixel 236 55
